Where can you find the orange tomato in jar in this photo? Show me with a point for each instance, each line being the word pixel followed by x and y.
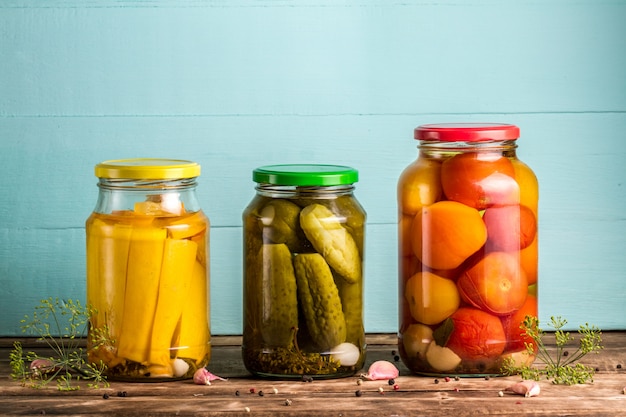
pixel 529 261
pixel 480 179
pixel 509 228
pixel 446 233
pixel 515 336
pixel 431 298
pixel 496 284
pixel 528 185
pixel 476 334
pixel 419 185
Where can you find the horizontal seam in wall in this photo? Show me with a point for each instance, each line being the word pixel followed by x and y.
pixel 227 115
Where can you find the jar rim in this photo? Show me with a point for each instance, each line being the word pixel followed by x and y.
pixel 305 175
pixel 147 168
pixel 466 132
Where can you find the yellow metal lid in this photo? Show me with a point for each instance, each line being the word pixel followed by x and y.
pixel 147 168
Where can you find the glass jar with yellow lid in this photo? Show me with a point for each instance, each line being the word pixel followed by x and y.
pixel 148 271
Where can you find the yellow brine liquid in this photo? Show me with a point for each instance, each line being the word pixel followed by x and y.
pixel 147 283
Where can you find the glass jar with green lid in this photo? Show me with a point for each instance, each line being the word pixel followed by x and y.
pixel 148 271
pixel 303 236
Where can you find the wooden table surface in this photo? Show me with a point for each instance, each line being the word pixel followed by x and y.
pixel 417 395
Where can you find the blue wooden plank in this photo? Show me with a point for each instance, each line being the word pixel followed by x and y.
pixel 48 162
pixel 298 59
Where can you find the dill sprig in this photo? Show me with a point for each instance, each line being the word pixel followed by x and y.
pixel 562 367
pixel 67 365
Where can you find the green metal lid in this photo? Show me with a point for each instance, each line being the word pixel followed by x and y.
pixel 305 175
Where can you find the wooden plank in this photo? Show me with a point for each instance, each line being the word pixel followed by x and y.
pixel 417 396
pixel 74 58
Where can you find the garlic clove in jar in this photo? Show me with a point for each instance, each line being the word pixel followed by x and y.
pixel 346 354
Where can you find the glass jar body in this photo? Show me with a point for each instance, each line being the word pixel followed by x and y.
pixel 148 280
pixel 303 306
pixel 468 252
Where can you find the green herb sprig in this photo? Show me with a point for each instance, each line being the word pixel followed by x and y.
pixel 67 365
pixel 561 367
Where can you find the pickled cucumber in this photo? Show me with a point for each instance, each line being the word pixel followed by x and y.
pixel 349 209
pixel 351 297
pixel 281 223
pixel 279 303
pixel 332 240
pixel 319 300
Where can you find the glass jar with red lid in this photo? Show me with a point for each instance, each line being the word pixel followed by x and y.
pixel 467 243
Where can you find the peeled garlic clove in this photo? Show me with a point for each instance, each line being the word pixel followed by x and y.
pixel 381 370
pixel 203 377
pixel 519 359
pixel 525 388
pixel 346 353
pixel 441 358
pixel 180 367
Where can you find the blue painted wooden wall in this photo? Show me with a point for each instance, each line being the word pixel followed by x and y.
pixel 242 83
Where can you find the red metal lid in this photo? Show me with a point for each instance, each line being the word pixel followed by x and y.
pixel 466 132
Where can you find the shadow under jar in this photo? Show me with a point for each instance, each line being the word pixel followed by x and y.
pixel 303 236
pixel 467 212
